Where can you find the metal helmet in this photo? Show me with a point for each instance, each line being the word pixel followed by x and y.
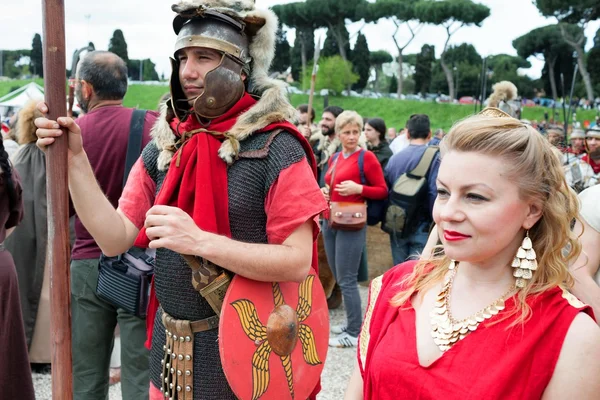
pixel 593 132
pixel 577 134
pixel 223 85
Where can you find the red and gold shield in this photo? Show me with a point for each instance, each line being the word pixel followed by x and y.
pixel 273 337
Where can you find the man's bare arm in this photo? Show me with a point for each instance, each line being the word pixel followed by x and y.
pixel 111 230
pixel 174 229
pixel 586 266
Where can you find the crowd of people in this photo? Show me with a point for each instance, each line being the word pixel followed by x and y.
pixel 491 226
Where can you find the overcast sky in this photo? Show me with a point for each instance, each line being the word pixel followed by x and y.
pixel 147 28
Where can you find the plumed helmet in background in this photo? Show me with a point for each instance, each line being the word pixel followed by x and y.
pixel 504 97
pixel 577 133
pixel 243 35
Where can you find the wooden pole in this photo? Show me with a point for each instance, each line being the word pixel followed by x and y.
pixel 313 79
pixel 58 201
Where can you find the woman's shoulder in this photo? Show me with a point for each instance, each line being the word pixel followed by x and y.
pixel 395 275
pixel 557 303
pixel 590 212
pixel 370 156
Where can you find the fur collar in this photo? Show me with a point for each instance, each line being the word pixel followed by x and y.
pixel 272 107
pixel 25 127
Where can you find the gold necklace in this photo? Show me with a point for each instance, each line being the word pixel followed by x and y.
pixel 446 330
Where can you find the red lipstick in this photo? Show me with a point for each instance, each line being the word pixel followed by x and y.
pixel 453 236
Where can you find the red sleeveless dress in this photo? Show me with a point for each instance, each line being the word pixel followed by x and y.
pixel 493 362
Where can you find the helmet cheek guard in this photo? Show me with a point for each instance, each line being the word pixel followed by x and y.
pixel 223 87
pixel 224 84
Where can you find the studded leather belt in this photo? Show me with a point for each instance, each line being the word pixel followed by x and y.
pixel 177 375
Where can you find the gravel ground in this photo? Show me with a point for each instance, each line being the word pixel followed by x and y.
pixel 337 371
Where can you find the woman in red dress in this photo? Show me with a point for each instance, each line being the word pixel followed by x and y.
pixel 490 317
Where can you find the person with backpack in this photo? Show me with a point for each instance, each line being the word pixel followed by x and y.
pixel 408 217
pixel 344 245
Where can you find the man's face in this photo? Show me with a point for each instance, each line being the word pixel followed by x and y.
pixel 328 123
pixel 593 144
pixel 554 138
pixel 81 99
pixel 577 144
pixel 194 64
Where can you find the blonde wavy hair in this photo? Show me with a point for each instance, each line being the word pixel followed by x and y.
pixel 348 117
pixel 532 164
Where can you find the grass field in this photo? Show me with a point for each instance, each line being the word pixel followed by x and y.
pixel 394 112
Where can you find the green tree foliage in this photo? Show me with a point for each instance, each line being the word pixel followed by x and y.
pixel 504 68
pixel 361 61
pixel 569 13
pixel 452 15
pixel 465 65
pixel 299 16
pixel 297 53
pixel 13 66
pixel 334 74
pixel 394 84
pixel 423 68
pixel 282 59
pixel 564 65
pixel 331 46
pixel 378 58
pixel 36 62
pixel 146 67
pixel 594 67
pixel 548 42
pixel 333 14
pixel 118 45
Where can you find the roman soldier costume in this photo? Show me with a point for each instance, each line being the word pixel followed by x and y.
pixel 220 157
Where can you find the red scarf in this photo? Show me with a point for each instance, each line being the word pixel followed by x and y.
pixel 196 181
pixel 595 166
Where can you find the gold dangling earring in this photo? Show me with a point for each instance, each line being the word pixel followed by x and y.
pixel 524 262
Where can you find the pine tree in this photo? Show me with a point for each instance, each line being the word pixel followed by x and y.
pixel 282 59
pixel 423 68
pixel 394 84
pixel 361 61
pixel 36 64
pixel 118 45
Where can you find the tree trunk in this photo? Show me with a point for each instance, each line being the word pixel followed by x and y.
pixel 400 77
pixel 340 41
pixel 551 64
pixel 577 44
pixel 447 70
pixel 449 79
pixel 584 72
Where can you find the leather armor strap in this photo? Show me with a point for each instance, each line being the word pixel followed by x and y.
pixel 177 375
pixel 261 153
pixel 210 280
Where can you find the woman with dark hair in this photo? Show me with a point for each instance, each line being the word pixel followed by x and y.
pixel 375 131
pixel 15 374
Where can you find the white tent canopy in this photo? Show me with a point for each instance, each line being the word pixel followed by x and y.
pixel 18 98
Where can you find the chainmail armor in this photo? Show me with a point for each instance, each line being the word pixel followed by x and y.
pixel 248 181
